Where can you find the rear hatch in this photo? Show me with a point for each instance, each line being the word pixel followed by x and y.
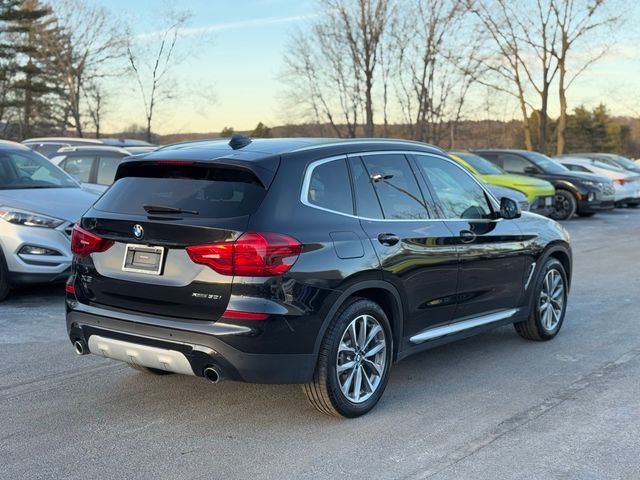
pixel 152 212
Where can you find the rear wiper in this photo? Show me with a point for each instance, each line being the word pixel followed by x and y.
pixel 167 209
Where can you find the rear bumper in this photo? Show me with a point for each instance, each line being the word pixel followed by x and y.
pixel 200 348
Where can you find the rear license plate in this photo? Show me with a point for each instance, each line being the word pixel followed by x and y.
pixel 548 201
pixel 143 259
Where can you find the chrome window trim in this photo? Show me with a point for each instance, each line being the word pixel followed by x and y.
pixel 304 194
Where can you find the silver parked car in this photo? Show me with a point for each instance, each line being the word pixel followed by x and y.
pixel 39 204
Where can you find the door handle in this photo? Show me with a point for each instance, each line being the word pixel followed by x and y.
pixel 388 239
pixel 467 236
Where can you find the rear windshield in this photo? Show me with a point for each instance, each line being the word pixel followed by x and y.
pixel 483 166
pixel 198 191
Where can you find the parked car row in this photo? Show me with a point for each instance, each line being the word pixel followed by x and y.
pixel 202 260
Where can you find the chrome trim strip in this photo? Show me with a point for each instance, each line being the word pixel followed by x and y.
pixel 433 333
pixel 304 194
pixel 532 269
pixel 217 328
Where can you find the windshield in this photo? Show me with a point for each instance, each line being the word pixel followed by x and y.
pixel 484 167
pixel 625 162
pixel 25 169
pixel 545 163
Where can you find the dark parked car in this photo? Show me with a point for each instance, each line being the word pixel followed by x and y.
pixel 581 193
pixel 306 261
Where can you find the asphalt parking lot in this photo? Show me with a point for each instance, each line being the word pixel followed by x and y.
pixel 493 406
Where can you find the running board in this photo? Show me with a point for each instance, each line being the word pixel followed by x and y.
pixel 463 325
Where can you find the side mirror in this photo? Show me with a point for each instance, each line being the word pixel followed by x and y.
pixel 509 209
pixel 531 170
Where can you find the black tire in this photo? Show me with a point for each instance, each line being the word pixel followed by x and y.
pixel 152 371
pixel 4 279
pixel 586 214
pixel 533 328
pixel 324 392
pixel 565 205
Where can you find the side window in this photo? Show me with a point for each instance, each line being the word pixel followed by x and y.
pixel 396 186
pixel 329 187
pixel 576 168
pixel 78 167
pixel 107 167
pixel 513 163
pixel 367 204
pixel 459 195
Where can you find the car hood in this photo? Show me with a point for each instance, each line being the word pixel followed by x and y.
pixel 579 176
pixel 64 203
pixel 520 180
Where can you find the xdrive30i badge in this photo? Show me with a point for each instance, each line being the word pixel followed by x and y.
pixel 138 231
pixel 207 296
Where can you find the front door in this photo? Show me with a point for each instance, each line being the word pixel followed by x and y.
pixel 491 250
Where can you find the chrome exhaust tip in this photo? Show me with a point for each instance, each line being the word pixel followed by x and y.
pixel 80 348
pixel 213 374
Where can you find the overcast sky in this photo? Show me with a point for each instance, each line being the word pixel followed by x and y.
pixel 238 59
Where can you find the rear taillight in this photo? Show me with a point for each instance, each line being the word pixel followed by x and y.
pixel 83 243
pixel 619 181
pixel 251 255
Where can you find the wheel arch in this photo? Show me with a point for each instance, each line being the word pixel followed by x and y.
pixel 379 291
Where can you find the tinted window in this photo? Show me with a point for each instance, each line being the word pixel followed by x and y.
pixel 30 170
pixel 576 168
pixel 49 149
pixel 107 167
pixel 212 192
pixel 396 186
pixel 367 204
pixel 484 167
pixel 78 167
pixel 329 187
pixel 459 195
pixel 545 163
pixel 514 163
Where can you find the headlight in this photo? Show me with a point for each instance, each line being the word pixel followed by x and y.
pixel 28 219
pixel 591 183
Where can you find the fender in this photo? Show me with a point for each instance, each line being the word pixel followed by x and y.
pixel 567 185
pixel 555 246
pixel 397 321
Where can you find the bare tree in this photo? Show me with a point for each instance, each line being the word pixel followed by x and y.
pixel 86 48
pixel 523 34
pixel 436 65
pixel 153 66
pixel 332 69
pixel 577 19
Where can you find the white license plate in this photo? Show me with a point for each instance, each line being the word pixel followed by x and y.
pixel 143 259
pixel 548 201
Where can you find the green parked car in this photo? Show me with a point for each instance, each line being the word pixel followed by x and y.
pixel 540 193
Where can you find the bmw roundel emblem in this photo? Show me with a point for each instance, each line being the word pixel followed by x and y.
pixel 138 231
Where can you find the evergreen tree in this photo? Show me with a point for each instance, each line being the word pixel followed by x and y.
pixel 31 97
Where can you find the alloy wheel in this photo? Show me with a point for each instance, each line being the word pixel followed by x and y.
pixel 361 359
pixel 551 301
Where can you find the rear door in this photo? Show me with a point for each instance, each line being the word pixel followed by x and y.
pixel 147 269
pixel 491 250
pixel 413 247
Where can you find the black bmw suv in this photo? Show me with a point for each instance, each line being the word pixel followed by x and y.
pixel 320 262
pixel 576 192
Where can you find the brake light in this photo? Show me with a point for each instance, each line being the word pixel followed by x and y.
pixel 619 181
pixel 70 289
pixel 83 243
pixel 174 162
pixel 251 255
